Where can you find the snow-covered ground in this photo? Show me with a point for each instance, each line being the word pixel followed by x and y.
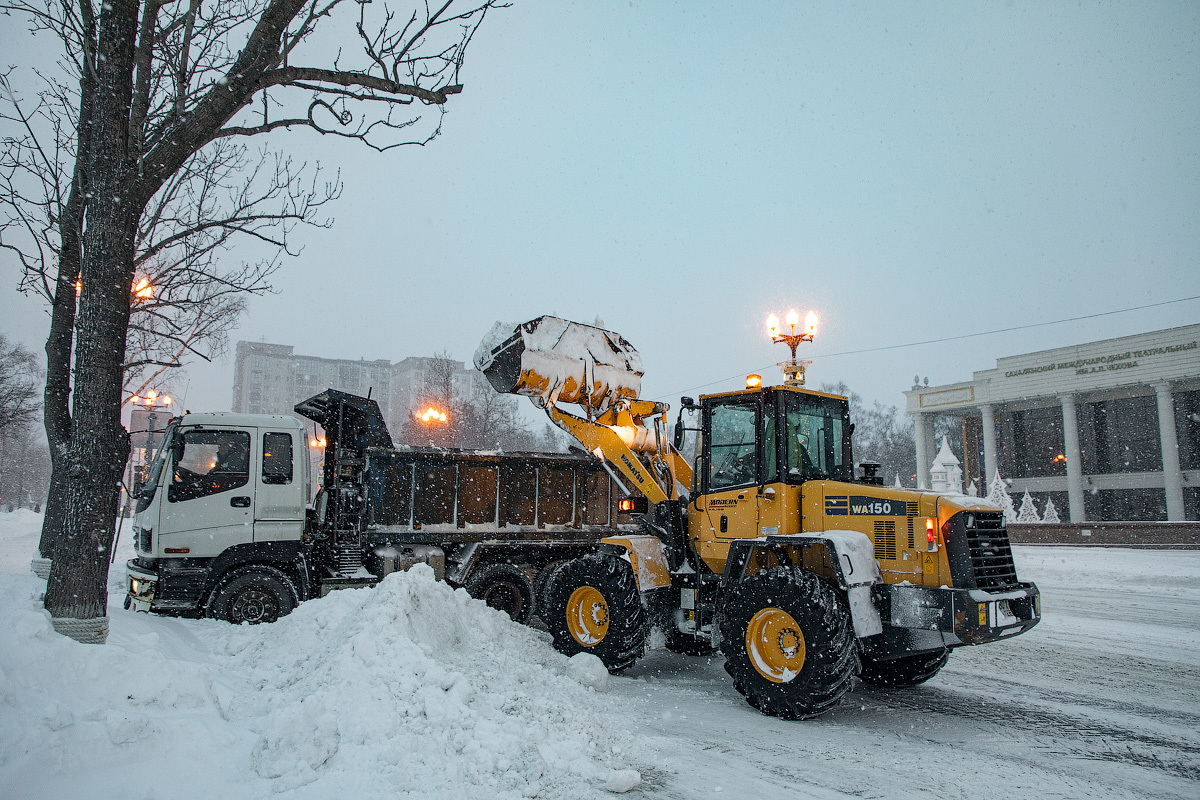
pixel 413 690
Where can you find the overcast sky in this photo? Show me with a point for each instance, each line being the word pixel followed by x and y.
pixel 910 171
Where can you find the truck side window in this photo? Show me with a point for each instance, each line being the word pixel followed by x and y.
pixel 277 458
pixel 211 462
pixel 732 456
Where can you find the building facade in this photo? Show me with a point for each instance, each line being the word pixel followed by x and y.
pixel 1109 430
pixel 272 378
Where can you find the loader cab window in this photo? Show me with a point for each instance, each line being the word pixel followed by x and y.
pixel 277 458
pixel 815 434
pixel 209 462
pixel 732 446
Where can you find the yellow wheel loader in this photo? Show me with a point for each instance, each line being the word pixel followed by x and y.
pixel 762 541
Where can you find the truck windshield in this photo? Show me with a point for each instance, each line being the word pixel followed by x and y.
pixel 156 468
pixel 814 429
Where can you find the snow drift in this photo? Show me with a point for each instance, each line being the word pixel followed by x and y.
pixel 410 689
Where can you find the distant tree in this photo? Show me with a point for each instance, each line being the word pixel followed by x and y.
pixel 478 417
pixel 998 496
pixel 24 466
pixel 881 433
pixel 1028 511
pixel 19 386
pixel 153 89
pixel 1050 516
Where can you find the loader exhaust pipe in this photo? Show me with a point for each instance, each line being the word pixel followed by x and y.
pixel 553 360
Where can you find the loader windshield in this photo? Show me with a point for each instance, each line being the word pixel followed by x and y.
pixel 814 437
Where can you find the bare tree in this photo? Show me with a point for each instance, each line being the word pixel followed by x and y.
pixel 160 85
pixel 18 386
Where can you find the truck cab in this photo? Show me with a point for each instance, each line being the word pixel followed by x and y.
pixel 222 486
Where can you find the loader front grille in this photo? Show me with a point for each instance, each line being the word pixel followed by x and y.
pixel 991 553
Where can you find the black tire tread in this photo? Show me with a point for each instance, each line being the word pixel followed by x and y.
pixel 628 626
pixel 284 588
pixel 484 578
pixel 831 660
pixel 904 671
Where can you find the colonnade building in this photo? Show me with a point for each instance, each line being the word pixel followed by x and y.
pixel 1109 430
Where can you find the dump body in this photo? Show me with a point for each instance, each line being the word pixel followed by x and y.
pixel 529 509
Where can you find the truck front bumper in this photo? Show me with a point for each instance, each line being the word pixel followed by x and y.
pixel 140 584
pixel 970 616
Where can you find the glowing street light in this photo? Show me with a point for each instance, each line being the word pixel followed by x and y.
pixel 143 290
pixel 793 370
pixel 432 415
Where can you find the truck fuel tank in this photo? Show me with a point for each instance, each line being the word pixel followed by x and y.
pixel 555 360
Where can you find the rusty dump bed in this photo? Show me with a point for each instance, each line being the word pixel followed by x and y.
pixel 444 496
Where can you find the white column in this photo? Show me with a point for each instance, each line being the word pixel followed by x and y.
pixel 1172 476
pixel 922 433
pixel 1074 467
pixel 989 444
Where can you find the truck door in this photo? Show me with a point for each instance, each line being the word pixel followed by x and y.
pixel 731 463
pixel 279 496
pixel 210 496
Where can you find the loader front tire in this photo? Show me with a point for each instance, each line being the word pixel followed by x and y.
pixel 788 643
pixel 593 606
pixel 903 671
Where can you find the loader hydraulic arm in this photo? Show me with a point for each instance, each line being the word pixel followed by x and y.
pixel 620 434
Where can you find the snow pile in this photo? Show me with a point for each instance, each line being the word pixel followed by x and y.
pixel 410 689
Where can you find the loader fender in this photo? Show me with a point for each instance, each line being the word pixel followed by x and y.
pixel 648 558
pixel 856 570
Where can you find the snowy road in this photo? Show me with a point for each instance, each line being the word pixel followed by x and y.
pixel 1100 700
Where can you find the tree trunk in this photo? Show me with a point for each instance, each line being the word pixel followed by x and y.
pixel 57 397
pixel 58 390
pixel 78 587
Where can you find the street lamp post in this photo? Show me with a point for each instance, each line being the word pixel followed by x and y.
pixel 793 370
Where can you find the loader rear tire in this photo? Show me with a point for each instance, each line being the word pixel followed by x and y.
pixel 903 671
pixel 788 643
pixel 505 587
pixel 593 606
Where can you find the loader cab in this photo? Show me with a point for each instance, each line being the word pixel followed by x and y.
pixel 756 449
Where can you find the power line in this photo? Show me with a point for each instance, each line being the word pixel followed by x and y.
pixel 956 338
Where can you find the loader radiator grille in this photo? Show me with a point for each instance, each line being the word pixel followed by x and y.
pixel 885 539
pixel 991 554
pixel 912 538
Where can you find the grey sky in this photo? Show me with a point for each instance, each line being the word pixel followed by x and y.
pixel 911 171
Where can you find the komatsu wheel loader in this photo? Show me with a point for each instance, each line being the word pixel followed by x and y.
pixel 763 544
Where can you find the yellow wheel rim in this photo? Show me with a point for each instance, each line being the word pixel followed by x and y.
pixel 775 645
pixel 587 616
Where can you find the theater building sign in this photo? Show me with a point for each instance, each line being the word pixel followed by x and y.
pixel 1109 430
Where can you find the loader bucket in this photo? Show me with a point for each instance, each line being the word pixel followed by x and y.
pixel 555 360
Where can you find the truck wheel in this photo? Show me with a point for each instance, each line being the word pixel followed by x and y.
pixel 788 643
pixel 593 606
pixel 903 671
pixel 505 587
pixel 254 594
